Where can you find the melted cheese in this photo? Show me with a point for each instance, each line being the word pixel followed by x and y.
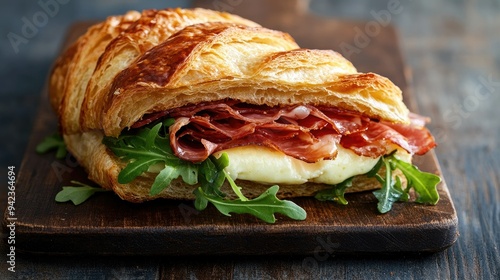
pixel 264 165
pixel 268 166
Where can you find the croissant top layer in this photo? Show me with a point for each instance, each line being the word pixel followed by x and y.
pixel 142 63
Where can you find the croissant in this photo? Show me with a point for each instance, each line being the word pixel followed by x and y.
pixel 230 86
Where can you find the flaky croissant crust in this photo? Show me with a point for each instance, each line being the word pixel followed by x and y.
pixel 139 63
pixel 159 60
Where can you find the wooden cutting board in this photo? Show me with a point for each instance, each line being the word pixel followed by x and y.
pixel 105 225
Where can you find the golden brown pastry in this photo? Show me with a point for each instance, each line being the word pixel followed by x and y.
pixel 74 68
pixel 143 67
pixel 151 29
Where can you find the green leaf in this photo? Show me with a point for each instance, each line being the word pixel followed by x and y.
pixel 200 203
pixel 189 174
pixel 53 142
pixel 132 152
pixel 61 152
pixel 211 177
pixel 263 207
pixel 336 193
pixel 77 195
pixel 209 170
pixel 166 123
pixel 236 189
pixel 388 194
pixel 163 179
pixel 221 162
pixel 152 135
pixel 405 197
pixel 134 169
pixel 424 184
pixel 144 147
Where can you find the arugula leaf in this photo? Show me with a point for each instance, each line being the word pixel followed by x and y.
pixel 152 134
pixel 423 183
pixel 135 168
pixel 146 147
pixel 53 142
pixel 213 175
pixel 201 202
pixel 189 174
pixel 405 196
pixel 392 190
pixel 236 189
pixel 163 179
pixel 388 194
pixel 150 146
pixel 263 207
pixel 336 193
pixel 77 195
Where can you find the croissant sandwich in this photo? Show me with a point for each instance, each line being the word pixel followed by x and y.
pixel 207 106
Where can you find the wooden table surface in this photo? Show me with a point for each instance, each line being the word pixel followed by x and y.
pixel 452 54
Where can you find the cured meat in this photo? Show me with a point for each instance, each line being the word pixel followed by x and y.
pixel 305 132
pixel 414 138
pixel 298 131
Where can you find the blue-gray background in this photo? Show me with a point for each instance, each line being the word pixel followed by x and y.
pixel 452 48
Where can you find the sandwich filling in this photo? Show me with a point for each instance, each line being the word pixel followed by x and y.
pixel 305 132
pixel 211 143
pixel 267 166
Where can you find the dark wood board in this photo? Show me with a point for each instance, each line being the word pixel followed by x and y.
pixel 105 225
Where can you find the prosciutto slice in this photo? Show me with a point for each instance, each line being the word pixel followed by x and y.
pixel 414 138
pixel 306 132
